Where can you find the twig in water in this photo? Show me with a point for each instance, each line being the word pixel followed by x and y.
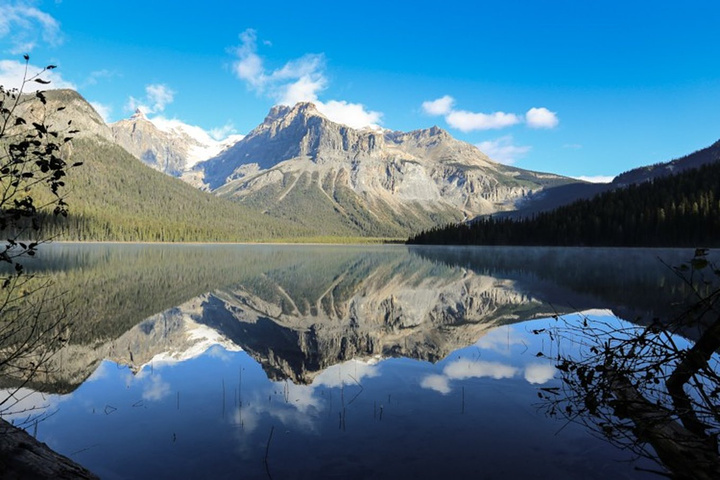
pixel 83 449
pixel 267 447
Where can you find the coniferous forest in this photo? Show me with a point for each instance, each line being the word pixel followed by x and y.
pixel 682 210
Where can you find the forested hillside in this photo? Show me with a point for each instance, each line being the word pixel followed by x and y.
pixel 681 210
pixel 113 196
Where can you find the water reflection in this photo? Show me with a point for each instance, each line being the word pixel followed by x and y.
pixel 648 389
pixel 298 310
pixel 365 362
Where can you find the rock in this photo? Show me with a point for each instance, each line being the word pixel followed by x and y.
pixel 24 458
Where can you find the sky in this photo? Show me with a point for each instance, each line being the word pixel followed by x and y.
pixel 584 89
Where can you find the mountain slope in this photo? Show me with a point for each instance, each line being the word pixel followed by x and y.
pixel 555 197
pixel 298 164
pixel 169 146
pixel 696 159
pixel 113 196
pixel 670 211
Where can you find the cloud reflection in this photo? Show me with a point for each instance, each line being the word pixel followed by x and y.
pixel 539 373
pixel 463 369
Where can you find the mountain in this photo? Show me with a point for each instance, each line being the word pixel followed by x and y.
pixel 696 159
pixel 329 177
pixel 681 210
pixel 350 304
pixel 555 197
pixel 298 310
pixel 170 146
pixel 113 196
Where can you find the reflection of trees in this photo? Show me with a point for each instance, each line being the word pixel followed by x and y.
pixel 33 149
pixel 648 389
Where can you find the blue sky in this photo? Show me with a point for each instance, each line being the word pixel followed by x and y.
pixel 577 88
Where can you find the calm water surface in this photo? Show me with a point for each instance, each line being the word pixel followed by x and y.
pixel 329 362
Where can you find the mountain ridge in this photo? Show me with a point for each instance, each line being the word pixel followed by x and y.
pixel 370 181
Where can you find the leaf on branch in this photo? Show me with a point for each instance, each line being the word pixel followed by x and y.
pixel 26 56
pixel 50 67
pixel 40 80
pixel 39 127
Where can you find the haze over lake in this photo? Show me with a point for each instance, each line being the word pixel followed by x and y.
pixel 308 362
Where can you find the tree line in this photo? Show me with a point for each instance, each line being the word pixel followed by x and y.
pixel 682 210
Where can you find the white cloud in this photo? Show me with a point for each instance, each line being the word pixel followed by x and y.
pixel 221 133
pixel 302 89
pixel 26 26
pixel 500 340
pixel 249 66
pixel 346 373
pixel 539 373
pixel 468 121
pixel 541 118
pixel 596 178
pixel 12 73
pixel 102 110
pixel 96 75
pixel 441 106
pixel 572 146
pixel 464 368
pixel 157 97
pixel 22 406
pixel 298 80
pixel 502 149
pixel 354 115
pixel 439 383
pixel 155 388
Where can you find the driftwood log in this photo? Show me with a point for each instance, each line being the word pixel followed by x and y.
pixel 24 458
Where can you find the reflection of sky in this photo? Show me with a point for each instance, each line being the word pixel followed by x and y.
pixel 24 406
pixel 503 353
pixel 298 406
pixel 211 416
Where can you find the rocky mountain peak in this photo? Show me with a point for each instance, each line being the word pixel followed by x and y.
pixel 170 146
pixel 138 115
pixel 276 112
pixel 305 108
pixel 288 113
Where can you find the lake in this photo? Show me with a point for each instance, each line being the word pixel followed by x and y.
pixel 274 361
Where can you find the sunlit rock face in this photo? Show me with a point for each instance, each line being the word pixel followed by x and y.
pixel 169 146
pixel 387 174
pixel 388 314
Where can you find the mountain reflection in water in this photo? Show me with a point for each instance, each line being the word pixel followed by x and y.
pixel 365 362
